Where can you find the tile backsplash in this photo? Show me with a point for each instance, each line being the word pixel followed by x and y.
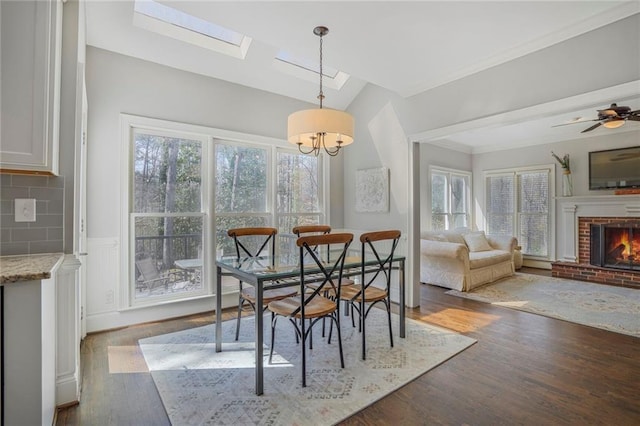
pixel 45 235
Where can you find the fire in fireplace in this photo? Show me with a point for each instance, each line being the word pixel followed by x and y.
pixel 615 245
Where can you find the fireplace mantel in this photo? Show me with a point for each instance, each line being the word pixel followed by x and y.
pixel 572 208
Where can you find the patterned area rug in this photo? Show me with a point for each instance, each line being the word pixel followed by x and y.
pixel 199 386
pixel 611 308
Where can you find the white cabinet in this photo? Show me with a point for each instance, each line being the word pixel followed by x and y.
pixel 30 36
pixel 29 352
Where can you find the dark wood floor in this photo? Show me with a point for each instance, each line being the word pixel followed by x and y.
pixel 525 369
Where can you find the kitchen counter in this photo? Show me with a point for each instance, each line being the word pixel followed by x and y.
pixel 28 267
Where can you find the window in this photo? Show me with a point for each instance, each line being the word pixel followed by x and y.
pixel 299 195
pixel 450 199
pixel 167 216
pixel 187 185
pixel 518 203
pixel 242 189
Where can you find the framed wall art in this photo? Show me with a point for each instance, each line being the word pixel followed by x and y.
pixel 372 190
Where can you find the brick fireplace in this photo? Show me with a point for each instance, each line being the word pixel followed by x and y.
pixel 615 273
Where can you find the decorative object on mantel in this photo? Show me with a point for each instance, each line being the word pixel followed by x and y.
pixel 567 185
pixel 372 190
pixel 318 129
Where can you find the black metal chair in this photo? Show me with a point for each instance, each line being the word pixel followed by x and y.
pixel 310 304
pixel 262 238
pixel 364 295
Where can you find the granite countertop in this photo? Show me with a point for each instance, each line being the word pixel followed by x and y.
pixel 28 267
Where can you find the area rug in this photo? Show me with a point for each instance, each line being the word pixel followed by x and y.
pixel 611 308
pixel 200 386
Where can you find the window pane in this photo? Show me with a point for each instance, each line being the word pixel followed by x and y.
pixel 534 230
pixel 224 223
pixel 438 193
pixel 500 191
pixel 241 179
pixel 460 220
pixel 166 174
pixel 458 194
pixel 162 244
pixel 534 192
pixel 534 208
pixel 298 190
pixel 438 222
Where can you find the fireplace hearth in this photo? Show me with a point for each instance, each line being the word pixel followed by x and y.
pixel 615 245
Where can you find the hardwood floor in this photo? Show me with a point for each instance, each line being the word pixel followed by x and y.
pixel 525 369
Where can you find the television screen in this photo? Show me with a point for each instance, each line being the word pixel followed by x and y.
pixel 615 168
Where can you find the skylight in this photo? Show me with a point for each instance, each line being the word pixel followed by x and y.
pixel 174 23
pixel 308 69
pixel 307 64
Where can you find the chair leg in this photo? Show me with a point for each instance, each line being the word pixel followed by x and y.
pixel 337 320
pixel 388 303
pixel 240 305
pixel 273 335
pixel 303 337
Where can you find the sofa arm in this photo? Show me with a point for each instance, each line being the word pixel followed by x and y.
pixel 444 249
pixel 502 242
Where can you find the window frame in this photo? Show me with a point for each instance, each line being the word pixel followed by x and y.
pixel 209 137
pixel 516 172
pixel 449 172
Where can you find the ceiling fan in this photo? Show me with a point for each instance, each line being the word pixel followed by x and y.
pixel 611 118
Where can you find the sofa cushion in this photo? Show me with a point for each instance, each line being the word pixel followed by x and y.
pixel 477 241
pixel 480 259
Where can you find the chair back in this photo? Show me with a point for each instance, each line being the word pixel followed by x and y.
pixel 147 269
pixel 330 275
pixel 371 243
pixel 311 229
pixel 307 230
pixel 251 242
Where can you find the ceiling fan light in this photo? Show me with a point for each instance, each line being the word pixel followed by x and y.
pixel 613 124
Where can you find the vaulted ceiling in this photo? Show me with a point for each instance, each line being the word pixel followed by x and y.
pixel 406 47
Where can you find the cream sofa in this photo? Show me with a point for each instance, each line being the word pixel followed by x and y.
pixel 463 260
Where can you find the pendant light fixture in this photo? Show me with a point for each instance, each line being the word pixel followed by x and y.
pixel 314 130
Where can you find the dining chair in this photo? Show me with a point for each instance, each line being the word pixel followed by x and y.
pixel 310 304
pixel 362 296
pixel 305 230
pixel 251 243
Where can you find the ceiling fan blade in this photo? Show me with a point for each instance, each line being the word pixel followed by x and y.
pixel 591 128
pixel 573 122
pixel 634 118
pixel 636 112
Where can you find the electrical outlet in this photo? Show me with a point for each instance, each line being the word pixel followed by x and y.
pixel 109 297
pixel 25 210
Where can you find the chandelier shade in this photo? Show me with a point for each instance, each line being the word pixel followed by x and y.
pixel 329 126
pixel 320 129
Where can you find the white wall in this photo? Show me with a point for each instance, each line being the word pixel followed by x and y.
pixel 118 84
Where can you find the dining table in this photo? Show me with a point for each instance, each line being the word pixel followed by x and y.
pixel 283 270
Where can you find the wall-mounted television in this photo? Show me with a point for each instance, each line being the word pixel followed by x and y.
pixel 615 168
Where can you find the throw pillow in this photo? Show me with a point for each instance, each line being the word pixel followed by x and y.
pixel 477 241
